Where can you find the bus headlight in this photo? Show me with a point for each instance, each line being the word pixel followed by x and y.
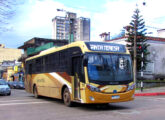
pixel 131 87
pixel 93 88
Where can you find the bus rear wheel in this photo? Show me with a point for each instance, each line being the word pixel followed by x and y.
pixel 66 97
pixel 35 92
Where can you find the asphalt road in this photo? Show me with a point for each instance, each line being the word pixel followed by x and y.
pixel 23 106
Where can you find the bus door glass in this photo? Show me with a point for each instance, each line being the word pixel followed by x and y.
pixel 76 72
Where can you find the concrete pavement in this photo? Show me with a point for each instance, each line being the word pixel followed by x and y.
pixel 151 91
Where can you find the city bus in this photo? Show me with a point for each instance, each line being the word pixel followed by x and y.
pixel 82 72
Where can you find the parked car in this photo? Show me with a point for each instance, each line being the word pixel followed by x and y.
pixel 15 84
pixel 21 85
pixel 4 88
pixel 10 83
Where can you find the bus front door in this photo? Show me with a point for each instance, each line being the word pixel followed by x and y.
pixel 76 81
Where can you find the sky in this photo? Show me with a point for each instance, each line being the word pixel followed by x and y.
pixel 33 18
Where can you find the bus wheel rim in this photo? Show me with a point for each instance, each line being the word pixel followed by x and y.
pixel 35 92
pixel 66 97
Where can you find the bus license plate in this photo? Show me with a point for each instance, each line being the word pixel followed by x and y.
pixel 115 97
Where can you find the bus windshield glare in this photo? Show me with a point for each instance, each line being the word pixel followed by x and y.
pixel 109 68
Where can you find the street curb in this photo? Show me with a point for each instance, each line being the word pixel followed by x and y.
pixel 150 94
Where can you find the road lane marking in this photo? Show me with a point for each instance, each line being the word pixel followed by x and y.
pixel 16 100
pixel 160 98
pixel 23 103
pixel 154 98
pixel 129 112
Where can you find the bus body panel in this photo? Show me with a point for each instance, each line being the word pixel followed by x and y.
pixel 48 84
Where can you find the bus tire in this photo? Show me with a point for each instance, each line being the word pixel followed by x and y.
pixel 35 92
pixel 66 97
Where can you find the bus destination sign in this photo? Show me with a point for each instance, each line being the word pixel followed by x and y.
pixel 106 47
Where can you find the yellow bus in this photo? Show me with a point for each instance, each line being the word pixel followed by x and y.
pixel 83 72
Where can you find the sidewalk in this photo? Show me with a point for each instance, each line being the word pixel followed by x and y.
pixel 151 91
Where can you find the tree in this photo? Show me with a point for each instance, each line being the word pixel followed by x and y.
pixel 6 13
pixel 138 25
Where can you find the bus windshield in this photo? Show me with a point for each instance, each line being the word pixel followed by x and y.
pixel 109 68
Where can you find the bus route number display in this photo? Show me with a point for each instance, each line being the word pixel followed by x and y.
pixel 106 47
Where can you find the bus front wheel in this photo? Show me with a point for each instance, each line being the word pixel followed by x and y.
pixel 35 92
pixel 66 97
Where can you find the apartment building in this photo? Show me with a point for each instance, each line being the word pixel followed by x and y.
pixel 83 29
pixel 71 28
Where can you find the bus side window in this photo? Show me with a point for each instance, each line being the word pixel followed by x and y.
pixel 56 61
pixel 63 61
pixel 46 63
pixel 39 65
pixel 30 69
pixel 26 67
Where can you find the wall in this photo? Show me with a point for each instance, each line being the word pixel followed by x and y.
pixel 9 54
pixel 161 33
pixel 157 59
pixel 120 41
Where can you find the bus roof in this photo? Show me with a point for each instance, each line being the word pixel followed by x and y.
pixel 86 47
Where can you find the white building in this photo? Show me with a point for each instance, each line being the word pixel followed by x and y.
pixel 71 28
pixel 161 33
pixel 60 28
pixel 83 29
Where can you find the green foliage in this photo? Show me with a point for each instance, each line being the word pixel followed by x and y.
pixel 141 47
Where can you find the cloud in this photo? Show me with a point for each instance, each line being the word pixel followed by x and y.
pixel 153 12
pixel 38 17
pixel 34 19
pixel 117 14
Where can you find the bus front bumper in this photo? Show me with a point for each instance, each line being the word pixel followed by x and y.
pixel 96 97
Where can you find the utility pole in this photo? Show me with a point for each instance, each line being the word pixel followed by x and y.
pixel 141 85
pixel 134 60
pixel 142 64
